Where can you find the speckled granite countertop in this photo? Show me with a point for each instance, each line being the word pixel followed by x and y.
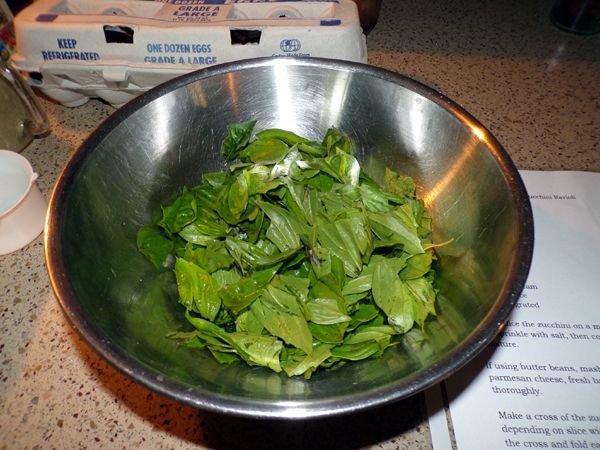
pixel 535 87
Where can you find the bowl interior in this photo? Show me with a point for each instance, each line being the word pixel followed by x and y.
pixel 144 154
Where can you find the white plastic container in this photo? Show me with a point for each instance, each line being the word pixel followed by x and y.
pixel 115 50
pixel 22 206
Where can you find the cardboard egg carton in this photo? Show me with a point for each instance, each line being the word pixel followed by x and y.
pixel 73 50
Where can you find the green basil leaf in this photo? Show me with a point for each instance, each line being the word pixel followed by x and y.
pixel 400 185
pixel 226 277
pixel 392 296
pixel 309 363
pixel 179 213
pixel 379 333
pixel 345 239
pixel 391 227
pixel 204 230
pixel 211 258
pixel 312 149
pixel 247 322
pixel 334 140
pixel 250 256
pixel 238 136
pixel 237 196
pixel 223 357
pixel 197 289
pixel 285 229
pixel 346 167
pixel 417 266
pixel 260 180
pixel 321 182
pixel 423 296
pixel 364 313
pixel 257 350
pixel 357 352
pixel 291 328
pixel 239 295
pixel 283 301
pixel 327 311
pixel 329 334
pixel 358 285
pixel 289 137
pixel 265 151
pixel 293 284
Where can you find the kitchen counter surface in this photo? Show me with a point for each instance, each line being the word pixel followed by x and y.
pixel 535 87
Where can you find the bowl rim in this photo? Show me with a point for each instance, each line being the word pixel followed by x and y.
pixel 473 344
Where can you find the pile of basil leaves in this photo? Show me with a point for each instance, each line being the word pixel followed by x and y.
pixel 294 258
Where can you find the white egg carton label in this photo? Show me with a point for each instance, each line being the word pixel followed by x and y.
pixel 115 50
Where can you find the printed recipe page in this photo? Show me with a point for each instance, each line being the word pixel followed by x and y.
pixel 538 385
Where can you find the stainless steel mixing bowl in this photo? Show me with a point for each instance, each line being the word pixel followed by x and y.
pixel 148 150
